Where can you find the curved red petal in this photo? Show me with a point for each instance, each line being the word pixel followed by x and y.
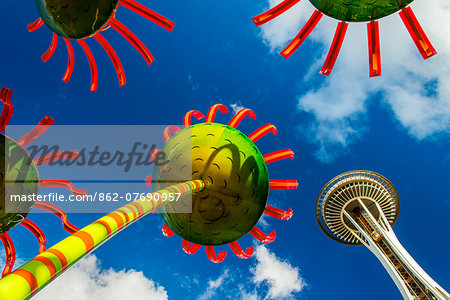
pixel 8 108
pixel 241 115
pixel 213 111
pixel 10 253
pixel 302 35
pixel 211 253
pixel 262 237
pixel 132 39
pixel 37 232
pixel 190 248
pixel 69 227
pixel 373 36
pixel 262 131
pixel 148 14
pixel 35 25
pixel 274 12
pixel 276 184
pixel 335 48
pixel 148 180
pixel 278 213
pixel 65 184
pixel 167 231
pixel 188 116
pixel 416 32
pixel 169 131
pixel 240 252
pixel 278 155
pixel 43 125
pixel 154 154
pixel 113 56
pixel 92 64
pixel 71 61
pixel 51 49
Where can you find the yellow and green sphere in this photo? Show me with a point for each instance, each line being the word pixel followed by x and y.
pixel 359 10
pixel 237 183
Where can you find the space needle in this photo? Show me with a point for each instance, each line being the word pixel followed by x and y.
pixel 360 207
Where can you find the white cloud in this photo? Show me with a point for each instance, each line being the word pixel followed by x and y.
pixel 213 286
pixel 245 295
pixel 415 91
pixel 236 107
pixel 270 278
pixel 283 280
pixel 18 262
pixel 282 29
pixel 87 281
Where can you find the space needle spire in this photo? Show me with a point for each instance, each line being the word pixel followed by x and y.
pixel 360 207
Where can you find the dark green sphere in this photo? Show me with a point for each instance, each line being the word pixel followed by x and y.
pixel 19 176
pixel 237 183
pixel 76 19
pixel 359 10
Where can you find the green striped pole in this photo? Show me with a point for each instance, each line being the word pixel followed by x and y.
pixel 34 275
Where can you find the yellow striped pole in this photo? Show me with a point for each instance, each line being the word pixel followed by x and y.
pixel 34 275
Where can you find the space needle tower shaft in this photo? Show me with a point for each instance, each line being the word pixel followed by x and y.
pixel 360 207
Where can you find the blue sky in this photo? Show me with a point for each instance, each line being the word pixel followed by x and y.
pixel 397 125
